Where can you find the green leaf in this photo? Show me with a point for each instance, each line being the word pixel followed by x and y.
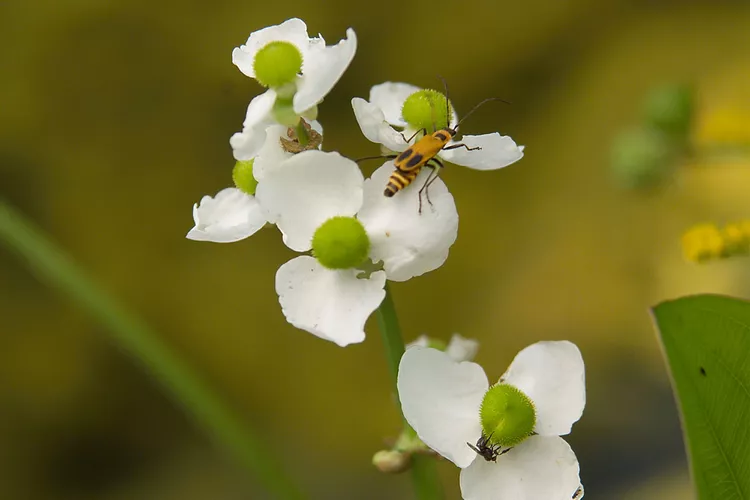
pixel 706 341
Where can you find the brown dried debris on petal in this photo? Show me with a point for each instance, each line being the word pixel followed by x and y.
pixel 292 145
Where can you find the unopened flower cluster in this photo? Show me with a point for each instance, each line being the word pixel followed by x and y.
pixel 352 238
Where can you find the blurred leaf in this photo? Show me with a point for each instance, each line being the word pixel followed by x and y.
pixel 642 157
pixel 670 109
pixel 706 341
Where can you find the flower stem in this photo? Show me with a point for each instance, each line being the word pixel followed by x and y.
pixel 424 470
pixel 302 135
pixel 50 264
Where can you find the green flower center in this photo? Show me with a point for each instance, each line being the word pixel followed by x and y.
pixel 426 109
pixel 341 243
pixel 242 175
pixel 277 63
pixel 507 415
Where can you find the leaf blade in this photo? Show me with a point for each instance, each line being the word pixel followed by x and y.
pixel 706 340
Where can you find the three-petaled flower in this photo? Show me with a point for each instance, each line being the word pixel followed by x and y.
pixel 321 202
pixel 383 121
pixel 299 72
pixel 515 423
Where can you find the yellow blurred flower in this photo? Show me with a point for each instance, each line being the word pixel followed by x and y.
pixel 707 241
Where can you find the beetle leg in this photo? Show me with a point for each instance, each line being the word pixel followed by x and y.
pixel 462 145
pixel 407 141
pixel 435 165
pixel 390 157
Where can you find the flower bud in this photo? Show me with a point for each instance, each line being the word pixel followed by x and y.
pixel 391 461
pixel 670 109
pixel 642 157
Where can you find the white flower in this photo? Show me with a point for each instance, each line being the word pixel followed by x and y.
pixel 231 216
pixel 441 400
pixel 234 215
pixel 322 65
pixel 378 117
pixel 312 188
pixel 458 349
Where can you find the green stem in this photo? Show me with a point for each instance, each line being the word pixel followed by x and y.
pixel 302 135
pixel 230 430
pixel 424 470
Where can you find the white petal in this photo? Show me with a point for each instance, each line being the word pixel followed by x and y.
pixel 552 374
pixel 331 304
pixel 293 31
pixel 540 468
pixel 462 349
pixel 322 68
pixel 231 216
pixel 247 144
pixel 497 152
pixel 308 189
pixel 440 399
pixel 408 243
pixel 272 153
pixel 390 97
pixel 373 125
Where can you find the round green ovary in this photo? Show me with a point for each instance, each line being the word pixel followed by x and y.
pixel 277 63
pixel 426 109
pixel 242 175
pixel 341 243
pixel 507 415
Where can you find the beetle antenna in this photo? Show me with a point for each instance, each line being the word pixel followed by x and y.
pixel 448 113
pixel 477 107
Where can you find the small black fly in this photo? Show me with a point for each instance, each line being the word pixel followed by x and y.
pixel 487 450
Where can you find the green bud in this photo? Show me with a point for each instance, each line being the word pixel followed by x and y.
pixel 426 109
pixel 242 175
pixel 277 63
pixel 670 109
pixel 341 243
pixel 642 157
pixel 507 415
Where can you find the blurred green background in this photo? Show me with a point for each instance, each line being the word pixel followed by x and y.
pixel 115 118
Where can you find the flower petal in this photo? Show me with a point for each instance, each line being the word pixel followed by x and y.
pixel 440 399
pixel 231 216
pixel 308 189
pixel 552 374
pixel 390 97
pixel 247 144
pixel 462 349
pixel 293 31
pixel 540 468
pixel 497 152
pixel 322 68
pixel 408 243
pixel 273 153
pixel 331 304
pixel 373 125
